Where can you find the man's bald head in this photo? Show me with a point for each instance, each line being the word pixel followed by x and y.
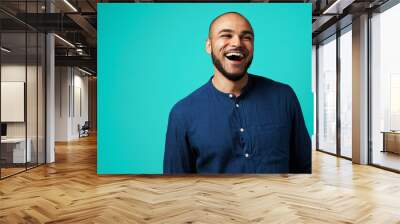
pixel 224 15
pixel 230 43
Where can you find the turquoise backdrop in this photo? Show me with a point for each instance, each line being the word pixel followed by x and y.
pixel 152 55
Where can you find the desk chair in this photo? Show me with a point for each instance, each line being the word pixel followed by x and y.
pixel 84 130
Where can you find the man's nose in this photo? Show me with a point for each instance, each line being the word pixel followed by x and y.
pixel 235 41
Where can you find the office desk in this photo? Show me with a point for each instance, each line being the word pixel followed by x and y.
pixel 13 150
pixel 391 141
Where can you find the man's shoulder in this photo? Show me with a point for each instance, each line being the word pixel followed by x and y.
pixel 188 103
pixel 272 85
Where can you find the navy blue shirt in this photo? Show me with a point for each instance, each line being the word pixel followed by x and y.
pixel 261 131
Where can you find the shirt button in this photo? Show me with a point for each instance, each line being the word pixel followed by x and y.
pixel 230 95
pixel 246 155
pixel 237 105
pixel 241 130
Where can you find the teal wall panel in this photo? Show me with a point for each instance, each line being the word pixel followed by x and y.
pixel 152 55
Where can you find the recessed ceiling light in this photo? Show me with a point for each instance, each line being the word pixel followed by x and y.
pixel 5 50
pixel 84 71
pixel 70 5
pixel 337 7
pixel 65 41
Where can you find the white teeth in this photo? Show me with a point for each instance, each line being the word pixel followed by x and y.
pixel 235 54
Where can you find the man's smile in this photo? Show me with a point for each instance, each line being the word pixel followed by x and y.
pixel 235 56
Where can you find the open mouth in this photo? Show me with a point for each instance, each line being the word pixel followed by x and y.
pixel 234 56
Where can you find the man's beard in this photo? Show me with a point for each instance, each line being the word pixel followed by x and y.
pixel 231 76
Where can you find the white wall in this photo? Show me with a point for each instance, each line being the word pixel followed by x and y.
pixel 62 81
pixel 80 110
pixel 71 102
pixel 16 72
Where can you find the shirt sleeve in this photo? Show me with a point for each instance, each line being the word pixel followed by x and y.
pixel 300 142
pixel 178 156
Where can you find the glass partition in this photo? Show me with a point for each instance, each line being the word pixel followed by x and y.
pixel 31 101
pixel 327 95
pixel 32 95
pixel 346 93
pixel 41 91
pixel 14 153
pixel 22 77
pixel 385 89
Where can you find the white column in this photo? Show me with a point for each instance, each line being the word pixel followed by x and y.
pixel 50 92
pixel 50 99
pixel 360 90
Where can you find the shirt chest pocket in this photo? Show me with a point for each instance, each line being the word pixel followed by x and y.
pixel 271 139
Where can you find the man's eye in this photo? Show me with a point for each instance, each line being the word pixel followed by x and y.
pixel 226 35
pixel 247 38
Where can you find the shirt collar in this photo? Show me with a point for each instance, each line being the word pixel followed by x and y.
pixel 245 90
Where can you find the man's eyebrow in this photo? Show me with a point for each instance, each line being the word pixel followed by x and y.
pixel 231 31
pixel 248 32
pixel 225 30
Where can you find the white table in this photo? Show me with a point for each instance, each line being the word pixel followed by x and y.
pixel 18 145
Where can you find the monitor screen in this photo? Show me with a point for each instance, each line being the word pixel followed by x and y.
pixel 3 129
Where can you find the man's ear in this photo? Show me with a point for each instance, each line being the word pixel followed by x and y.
pixel 208 46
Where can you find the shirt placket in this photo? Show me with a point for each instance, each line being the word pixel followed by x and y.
pixel 243 132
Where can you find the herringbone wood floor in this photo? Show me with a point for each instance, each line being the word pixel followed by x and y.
pixel 70 191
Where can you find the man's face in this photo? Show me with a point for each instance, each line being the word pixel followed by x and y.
pixel 230 44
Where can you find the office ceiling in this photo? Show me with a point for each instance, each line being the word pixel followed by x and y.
pixel 72 20
pixel 76 22
pixel 332 15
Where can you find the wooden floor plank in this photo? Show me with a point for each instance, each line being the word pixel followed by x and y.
pixel 70 191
